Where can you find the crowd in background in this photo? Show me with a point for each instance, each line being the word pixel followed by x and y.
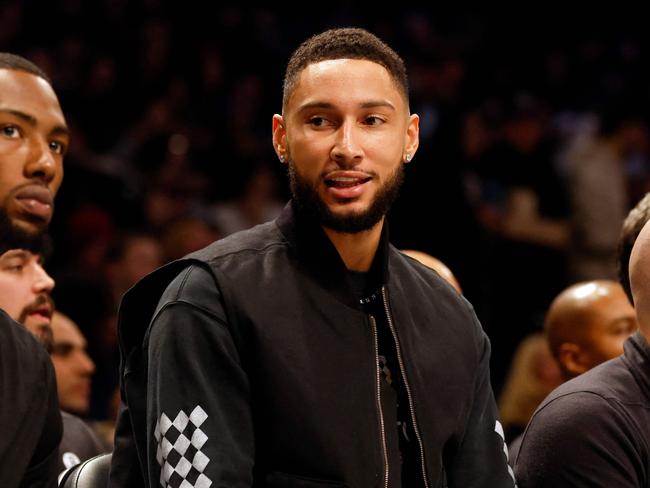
pixel 533 146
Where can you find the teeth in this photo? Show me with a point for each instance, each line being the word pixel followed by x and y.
pixel 344 179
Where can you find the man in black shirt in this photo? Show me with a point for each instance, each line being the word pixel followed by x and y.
pixel 593 430
pixel 33 140
pixel 308 351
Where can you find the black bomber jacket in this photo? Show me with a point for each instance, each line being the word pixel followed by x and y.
pixel 251 363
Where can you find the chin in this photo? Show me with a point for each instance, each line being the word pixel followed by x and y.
pixel 77 409
pixel 29 227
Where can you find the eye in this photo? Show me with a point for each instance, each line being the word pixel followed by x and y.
pixel 318 121
pixel 13 267
pixel 373 120
pixel 10 131
pixel 57 147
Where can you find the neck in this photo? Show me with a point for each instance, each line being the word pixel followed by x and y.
pixel 357 250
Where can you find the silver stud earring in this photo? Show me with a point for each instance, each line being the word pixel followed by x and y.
pixel 281 157
pixel 408 158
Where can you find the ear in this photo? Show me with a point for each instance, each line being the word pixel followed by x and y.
pixel 279 138
pixel 411 138
pixel 572 358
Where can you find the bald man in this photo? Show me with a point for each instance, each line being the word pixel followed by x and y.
pixel 595 429
pixel 587 324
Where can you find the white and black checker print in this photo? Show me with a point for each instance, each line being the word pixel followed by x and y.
pixel 179 452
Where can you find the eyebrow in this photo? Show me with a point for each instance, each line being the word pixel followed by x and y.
pixel 329 106
pixel 31 120
pixel 14 253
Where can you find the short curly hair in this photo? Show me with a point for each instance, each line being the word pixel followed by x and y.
pixel 632 226
pixel 344 43
pixel 18 63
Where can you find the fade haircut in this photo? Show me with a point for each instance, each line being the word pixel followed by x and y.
pixel 18 63
pixel 346 43
pixel 632 226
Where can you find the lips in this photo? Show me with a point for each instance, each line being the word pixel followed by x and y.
pixel 36 200
pixel 45 312
pixel 346 184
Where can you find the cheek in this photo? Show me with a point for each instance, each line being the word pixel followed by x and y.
pixel 57 180
pixel 9 305
pixel 611 346
pixel 10 177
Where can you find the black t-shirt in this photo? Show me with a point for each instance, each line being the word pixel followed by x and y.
pixel 400 437
pixel 30 422
pixel 595 429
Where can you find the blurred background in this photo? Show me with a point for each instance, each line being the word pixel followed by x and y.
pixel 534 144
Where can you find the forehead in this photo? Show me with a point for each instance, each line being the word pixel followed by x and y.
pixel 343 81
pixel 611 306
pixel 30 94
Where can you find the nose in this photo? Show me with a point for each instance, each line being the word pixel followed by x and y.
pixel 42 163
pixel 87 364
pixel 44 282
pixel 347 150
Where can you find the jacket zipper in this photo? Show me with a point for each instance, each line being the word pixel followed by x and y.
pixel 381 413
pixel 384 296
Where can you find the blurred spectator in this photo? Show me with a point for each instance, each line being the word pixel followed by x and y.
pixel 587 324
pixel 596 174
pixel 185 236
pixel 74 368
pixel 258 204
pixel 132 257
pixel 436 265
pixel 524 212
pixel 533 374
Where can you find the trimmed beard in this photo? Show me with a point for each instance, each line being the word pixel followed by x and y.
pixel 43 332
pixel 13 237
pixel 309 202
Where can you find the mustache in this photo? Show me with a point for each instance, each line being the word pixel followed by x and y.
pixel 44 333
pixel 42 299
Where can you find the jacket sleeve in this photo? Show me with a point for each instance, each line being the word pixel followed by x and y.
pixel 581 439
pixel 199 425
pixel 42 471
pixel 482 457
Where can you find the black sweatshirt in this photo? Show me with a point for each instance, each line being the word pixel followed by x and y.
pixel 30 422
pixel 593 430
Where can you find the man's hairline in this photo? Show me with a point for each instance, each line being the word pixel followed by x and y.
pixel 393 79
pixel 28 72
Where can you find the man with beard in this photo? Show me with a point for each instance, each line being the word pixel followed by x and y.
pixel 308 351
pixel 25 289
pixel 33 140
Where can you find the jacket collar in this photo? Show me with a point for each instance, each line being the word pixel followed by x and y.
pixel 637 356
pixel 322 261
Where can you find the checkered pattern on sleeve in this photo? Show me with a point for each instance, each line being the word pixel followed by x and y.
pixel 179 454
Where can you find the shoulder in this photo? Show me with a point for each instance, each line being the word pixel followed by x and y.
pixel 79 441
pixel 609 382
pixel 194 286
pixel 581 439
pixel 582 423
pixel 259 240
